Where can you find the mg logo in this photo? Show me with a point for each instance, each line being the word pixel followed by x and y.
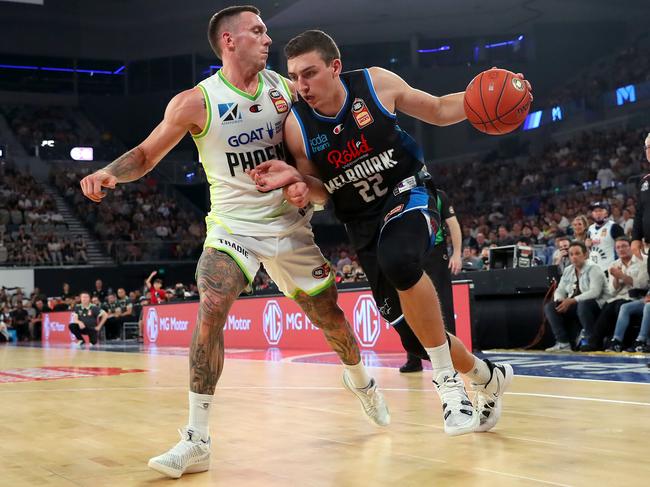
pixel 152 324
pixel 367 321
pixel 272 322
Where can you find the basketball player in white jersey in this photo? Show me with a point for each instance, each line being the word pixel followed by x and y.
pixel 236 119
pixel 602 235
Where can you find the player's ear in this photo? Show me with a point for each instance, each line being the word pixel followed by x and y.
pixel 337 67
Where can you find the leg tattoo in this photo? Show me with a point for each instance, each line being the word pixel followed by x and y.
pixel 220 281
pixel 323 311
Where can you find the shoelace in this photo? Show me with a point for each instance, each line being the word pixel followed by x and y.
pixel 180 448
pixel 454 395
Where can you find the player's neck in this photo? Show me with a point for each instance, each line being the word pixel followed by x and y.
pixel 244 78
pixel 334 104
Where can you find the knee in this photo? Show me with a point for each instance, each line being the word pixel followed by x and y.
pixel 549 309
pixel 402 267
pixel 213 308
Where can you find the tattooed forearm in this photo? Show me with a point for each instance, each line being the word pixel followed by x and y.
pixel 220 281
pixel 129 166
pixel 323 311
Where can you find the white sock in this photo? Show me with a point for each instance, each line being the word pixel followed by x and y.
pixel 479 373
pixel 200 413
pixel 440 360
pixel 358 375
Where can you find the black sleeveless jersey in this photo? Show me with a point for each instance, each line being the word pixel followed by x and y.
pixel 361 153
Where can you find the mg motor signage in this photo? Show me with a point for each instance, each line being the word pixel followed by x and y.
pixel 279 322
pixel 367 322
pixel 55 327
pixel 152 324
pixel 272 322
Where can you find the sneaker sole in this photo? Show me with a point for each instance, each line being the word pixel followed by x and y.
pixel 350 388
pixel 175 474
pixel 488 425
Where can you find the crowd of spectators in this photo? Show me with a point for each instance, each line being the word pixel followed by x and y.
pixel 62 128
pixel 538 198
pixel 21 314
pixel 135 222
pixel 32 231
pixel 629 66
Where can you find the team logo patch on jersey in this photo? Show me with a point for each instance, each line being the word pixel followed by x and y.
pixel 321 272
pixel 360 113
pixel 338 129
pixel 644 186
pixel 280 104
pixel 451 210
pixel 393 212
pixel 255 108
pixel 229 113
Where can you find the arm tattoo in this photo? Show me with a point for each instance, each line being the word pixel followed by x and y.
pixel 220 281
pixel 323 311
pixel 128 167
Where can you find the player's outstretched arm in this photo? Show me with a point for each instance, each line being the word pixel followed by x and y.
pixel 397 95
pixel 185 112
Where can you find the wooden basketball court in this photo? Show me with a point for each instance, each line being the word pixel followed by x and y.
pixel 282 423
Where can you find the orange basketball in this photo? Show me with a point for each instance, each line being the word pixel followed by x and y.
pixel 496 101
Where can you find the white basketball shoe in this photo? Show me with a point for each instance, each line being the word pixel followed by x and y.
pixel 489 396
pixel 372 401
pixel 458 412
pixel 190 455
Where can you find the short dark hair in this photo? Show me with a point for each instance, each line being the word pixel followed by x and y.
pixel 157 280
pixel 576 243
pixel 623 238
pixel 84 292
pixel 219 19
pixel 313 40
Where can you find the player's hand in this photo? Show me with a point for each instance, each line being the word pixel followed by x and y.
pixel 637 247
pixel 522 78
pixel 273 174
pixel 647 147
pixel 297 194
pixel 455 264
pixel 92 185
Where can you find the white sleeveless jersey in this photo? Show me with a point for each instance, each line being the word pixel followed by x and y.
pixel 242 131
pixel 603 246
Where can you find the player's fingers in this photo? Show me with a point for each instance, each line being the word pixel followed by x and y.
pixel 110 182
pixel 96 186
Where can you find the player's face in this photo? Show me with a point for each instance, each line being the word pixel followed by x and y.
pixel 250 40
pixel 314 79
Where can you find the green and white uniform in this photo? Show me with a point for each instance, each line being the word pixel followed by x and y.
pixel 241 132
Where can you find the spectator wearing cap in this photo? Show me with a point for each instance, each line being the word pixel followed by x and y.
pixel 602 235
pixel 579 295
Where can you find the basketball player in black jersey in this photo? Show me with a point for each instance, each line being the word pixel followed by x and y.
pixel 348 147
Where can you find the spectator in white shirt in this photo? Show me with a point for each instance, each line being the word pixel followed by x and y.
pixel 626 273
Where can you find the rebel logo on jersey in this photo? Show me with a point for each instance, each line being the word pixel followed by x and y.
pixel 354 149
pixel 360 113
pixel 280 104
